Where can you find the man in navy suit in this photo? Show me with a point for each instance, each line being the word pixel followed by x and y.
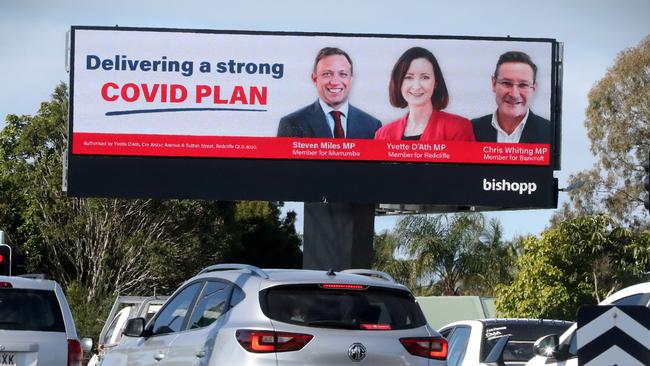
pixel 331 115
pixel 514 84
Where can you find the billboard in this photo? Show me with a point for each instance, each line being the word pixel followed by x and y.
pixel 173 99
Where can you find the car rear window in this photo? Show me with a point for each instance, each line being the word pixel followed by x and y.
pixel 522 338
pixel 369 308
pixel 32 310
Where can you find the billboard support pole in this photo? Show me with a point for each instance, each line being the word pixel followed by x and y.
pixel 338 235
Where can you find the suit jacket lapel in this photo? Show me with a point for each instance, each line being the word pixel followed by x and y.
pixel 492 133
pixel 353 129
pixel 317 121
pixel 485 130
pixel 528 134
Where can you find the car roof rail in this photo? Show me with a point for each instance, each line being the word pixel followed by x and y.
pixel 34 276
pixel 371 273
pixel 229 266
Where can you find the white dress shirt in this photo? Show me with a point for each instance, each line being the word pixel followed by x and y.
pixel 330 120
pixel 515 136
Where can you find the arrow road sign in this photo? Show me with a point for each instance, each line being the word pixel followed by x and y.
pixel 613 335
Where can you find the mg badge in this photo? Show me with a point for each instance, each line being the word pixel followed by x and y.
pixel 357 352
pixel 2 348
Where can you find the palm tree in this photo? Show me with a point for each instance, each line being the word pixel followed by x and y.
pixel 388 259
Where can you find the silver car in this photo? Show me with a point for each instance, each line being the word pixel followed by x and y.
pixel 242 315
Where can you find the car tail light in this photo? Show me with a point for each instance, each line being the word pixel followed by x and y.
pixel 6 285
pixel 375 326
pixel 428 347
pixel 342 286
pixel 75 354
pixel 264 341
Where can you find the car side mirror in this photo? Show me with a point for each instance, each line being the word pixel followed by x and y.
pixel 134 327
pixel 547 346
pixel 87 344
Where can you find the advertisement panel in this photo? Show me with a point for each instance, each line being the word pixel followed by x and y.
pixel 224 94
pixel 219 98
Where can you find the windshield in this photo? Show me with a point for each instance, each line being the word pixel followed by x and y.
pixel 33 310
pixel 371 308
pixel 121 317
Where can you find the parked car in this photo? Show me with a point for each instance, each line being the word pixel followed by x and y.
pixel 476 342
pixel 123 309
pixel 233 314
pixel 554 350
pixel 36 325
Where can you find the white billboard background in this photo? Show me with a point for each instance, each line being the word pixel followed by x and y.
pixel 467 65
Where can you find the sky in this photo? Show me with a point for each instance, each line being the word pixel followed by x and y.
pixel 33 33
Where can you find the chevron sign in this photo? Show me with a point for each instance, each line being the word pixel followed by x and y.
pixel 613 335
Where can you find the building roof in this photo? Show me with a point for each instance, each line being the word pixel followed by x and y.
pixel 442 310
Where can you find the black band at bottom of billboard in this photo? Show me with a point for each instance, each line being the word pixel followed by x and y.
pixel 501 187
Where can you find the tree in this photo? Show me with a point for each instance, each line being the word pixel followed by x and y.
pixel 618 125
pixel 450 254
pixel 102 244
pixel 97 248
pixel 578 262
pixel 260 240
pixel 388 259
pixel 498 259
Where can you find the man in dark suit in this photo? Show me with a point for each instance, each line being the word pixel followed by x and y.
pixel 331 115
pixel 514 84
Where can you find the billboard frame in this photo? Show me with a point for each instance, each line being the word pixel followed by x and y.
pixel 443 184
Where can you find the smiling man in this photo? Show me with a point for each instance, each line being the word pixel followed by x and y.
pixel 514 84
pixel 331 115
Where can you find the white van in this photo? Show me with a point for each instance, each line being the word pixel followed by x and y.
pixel 36 325
pixel 552 350
pixel 124 308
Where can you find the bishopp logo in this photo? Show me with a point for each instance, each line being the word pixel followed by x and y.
pixel 504 185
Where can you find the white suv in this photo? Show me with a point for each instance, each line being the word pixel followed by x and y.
pixel 552 350
pixel 36 326
pixel 243 315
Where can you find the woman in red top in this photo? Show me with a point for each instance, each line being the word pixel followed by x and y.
pixel 417 83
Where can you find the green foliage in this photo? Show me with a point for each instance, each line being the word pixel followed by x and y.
pixel 97 248
pixel 261 241
pixel 89 316
pixel 386 259
pixel 446 254
pixel 578 262
pixel 618 125
pixel 497 262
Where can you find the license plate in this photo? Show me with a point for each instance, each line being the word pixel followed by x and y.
pixel 7 359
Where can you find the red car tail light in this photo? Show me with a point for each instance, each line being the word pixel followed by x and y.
pixel 6 285
pixel 342 286
pixel 75 354
pixel 264 341
pixel 375 326
pixel 429 347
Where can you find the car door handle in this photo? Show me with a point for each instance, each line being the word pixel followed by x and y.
pixel 200 354
pixel 159 356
